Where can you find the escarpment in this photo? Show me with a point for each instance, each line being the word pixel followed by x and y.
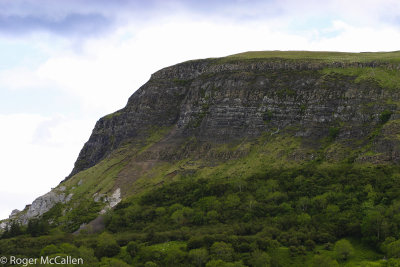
pixel 218 101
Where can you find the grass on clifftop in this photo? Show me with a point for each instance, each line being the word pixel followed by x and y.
pixel 386 78
pixel 330 57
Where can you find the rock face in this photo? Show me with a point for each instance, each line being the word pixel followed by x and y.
pixel 44 203
pixel 112 200
pixel 14 213
pixel 220 102
pixel 38 207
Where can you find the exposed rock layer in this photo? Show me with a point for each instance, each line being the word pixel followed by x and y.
pixel 223 102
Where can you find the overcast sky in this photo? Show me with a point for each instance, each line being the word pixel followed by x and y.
pixel 66 63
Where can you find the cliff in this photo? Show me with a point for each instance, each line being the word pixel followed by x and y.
pixel 223 100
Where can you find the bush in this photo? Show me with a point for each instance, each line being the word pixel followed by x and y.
pixel 107 246
pixel 107 262
pixel 260 259
pixel 222 251
pixel 37 227
pixel 49 250
pixel 198 256
pixel 195 242
pixel 393 249
pixel 132 248
pixel 343 249
pixel 333 132
pixel 385 116
pixel 69 249
pixel 310 245
pixel 221 263
pixel 324 261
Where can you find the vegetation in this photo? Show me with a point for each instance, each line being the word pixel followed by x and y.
pixel 391 57
pixel 385 78
pixel 308 215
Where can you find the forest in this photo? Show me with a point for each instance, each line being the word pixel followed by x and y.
pixel 314 214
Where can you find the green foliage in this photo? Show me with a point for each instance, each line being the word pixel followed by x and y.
pixel 83 213
pixel 164 254
pixel 383 77
pixel 326 261
pixel 88 255
pixel 132 248
pixel 287 214
pixel 267 116
pixel 106 246
pixel 260 259
pixel 333 132
pixel 13 230
pixel 222 251
pixel 198 256
pixel 393 249
pixel 385 116
pixel 343 249
pixel 50 250
pixel 112 115
pixel 111 262
pixel 181 82
pixel 69 249
pixel 221 263
pixel 392 263
pixel 37 227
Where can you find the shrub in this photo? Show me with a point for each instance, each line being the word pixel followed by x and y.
pixel 107 262
pixel 132 248
pixel 49 250
pixel 260 259
pixel 310 245
pixel 324 261
pixel 385 116
pixel 198 256
pixel 343 249
pixel 393 249
pixel 222 251
pixel 107 246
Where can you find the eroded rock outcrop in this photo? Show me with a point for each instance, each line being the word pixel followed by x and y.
pixel 38 207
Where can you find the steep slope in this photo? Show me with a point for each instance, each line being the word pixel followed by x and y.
pixel 227 120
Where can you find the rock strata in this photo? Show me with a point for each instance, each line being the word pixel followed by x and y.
pixel 222 102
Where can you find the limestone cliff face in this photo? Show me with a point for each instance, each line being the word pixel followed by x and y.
pixel 38 207
pixel 220 102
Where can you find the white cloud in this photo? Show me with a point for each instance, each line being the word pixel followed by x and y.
pixel 23 78
pixel 359 39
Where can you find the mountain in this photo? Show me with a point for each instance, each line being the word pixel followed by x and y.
pixel 259 157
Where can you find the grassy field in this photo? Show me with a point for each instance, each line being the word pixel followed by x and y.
pixel 389 57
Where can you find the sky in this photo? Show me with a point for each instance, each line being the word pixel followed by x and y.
pixel 66 63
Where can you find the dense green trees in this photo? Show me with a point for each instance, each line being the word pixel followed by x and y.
pixel 305 215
